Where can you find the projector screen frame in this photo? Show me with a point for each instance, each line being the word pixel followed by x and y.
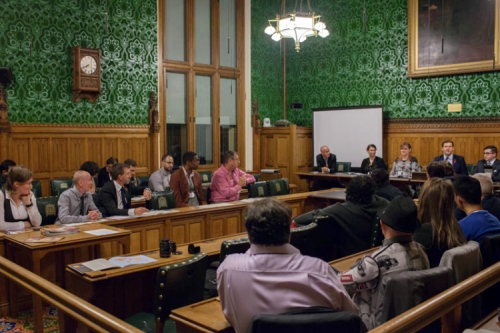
pixel 378 141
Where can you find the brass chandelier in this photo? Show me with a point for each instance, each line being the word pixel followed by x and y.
pixel 297 25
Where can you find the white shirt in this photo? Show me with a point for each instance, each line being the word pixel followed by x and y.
pixel 118 188
pixel 19 212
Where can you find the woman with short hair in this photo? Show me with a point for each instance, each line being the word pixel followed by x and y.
pixel 372 162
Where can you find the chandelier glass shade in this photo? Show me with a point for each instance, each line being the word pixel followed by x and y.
pixel 297 26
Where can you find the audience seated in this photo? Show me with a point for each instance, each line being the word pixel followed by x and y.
pixel 436 169
pixel 272 277
pixel 349 224
pixel 76 204
pixel 397 254
pixel 160 179
pixel 228 180
pixel 4 170
pixel 93 169
pixel 18 208
pixel 478 223
pixel 489 201
pixel 104 175
pixel 114 197
pixel 439 230
pixel 186 182
pixel 384 188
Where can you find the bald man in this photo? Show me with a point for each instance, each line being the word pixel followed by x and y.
pixel 76 204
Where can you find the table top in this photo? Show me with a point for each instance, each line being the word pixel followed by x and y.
pixel 209 246
pixel 80 237
pixel 337 194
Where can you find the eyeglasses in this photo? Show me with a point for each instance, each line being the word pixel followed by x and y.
pixel 486 153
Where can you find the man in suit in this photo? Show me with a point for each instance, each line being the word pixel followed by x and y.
pixel 114 196
pixel 489 164
pixel 186 182
pixel 104 174
pixel 326 162
pixel 457 161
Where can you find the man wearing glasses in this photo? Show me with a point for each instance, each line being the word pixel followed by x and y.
pixel 228 180
pixel 489 164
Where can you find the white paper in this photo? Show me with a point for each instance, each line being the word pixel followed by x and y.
pixel 139 198
pixel 101 232
pixel 250 200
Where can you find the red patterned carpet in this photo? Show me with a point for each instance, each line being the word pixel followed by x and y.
pixel 24 323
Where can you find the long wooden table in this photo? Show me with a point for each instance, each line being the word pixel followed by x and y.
pixel 17 250
pixel 182 225
pixel 345 178
pixel 125 291
pixel 207 316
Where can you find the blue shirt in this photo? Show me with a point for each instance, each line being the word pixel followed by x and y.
pixel 478 225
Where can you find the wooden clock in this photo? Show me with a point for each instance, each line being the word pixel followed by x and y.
pixel 86 74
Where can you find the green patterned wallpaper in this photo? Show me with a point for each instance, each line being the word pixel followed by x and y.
pixel 42 91
pixel 351 67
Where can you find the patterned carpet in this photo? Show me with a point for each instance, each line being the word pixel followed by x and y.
pixel 24 323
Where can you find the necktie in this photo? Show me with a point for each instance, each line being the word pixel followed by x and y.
pixel 124 199
pixel 82 206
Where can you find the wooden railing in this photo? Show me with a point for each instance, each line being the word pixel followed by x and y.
pixel 446 305
pixel 84 312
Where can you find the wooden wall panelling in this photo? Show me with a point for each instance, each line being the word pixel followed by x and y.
pixel 4 301
pixel 267 150
pixel 470 135
pixel 283 156
pixel 184 230
pixel 224 224
pixel 57 151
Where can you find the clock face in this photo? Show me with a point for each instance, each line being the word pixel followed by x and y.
pixel 88 65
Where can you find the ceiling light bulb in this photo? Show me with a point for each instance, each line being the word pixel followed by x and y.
pixel 270 30
pixel 319 26
pixel 276 37
pixel 324 33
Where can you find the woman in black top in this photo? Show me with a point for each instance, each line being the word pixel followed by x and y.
pixel 372 162
pixel 440 230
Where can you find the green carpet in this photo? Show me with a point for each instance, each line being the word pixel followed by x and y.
pixel 25 323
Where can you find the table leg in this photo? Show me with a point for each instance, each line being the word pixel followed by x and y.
pixel 37 300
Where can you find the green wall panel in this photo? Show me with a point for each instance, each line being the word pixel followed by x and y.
pixel 352 67
pixel 42 89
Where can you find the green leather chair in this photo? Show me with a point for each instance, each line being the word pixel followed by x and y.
pixel 162 200
pixel 343 166
pixel 36 188
pixel 278 187
pixel 239 245
pixel 206 176
pixel 48 209
pixel 258 190
pixel 177 285
pixel 58 186
pixel 257 177
pixel 470 167
pixel 143 180
pixel 305 239
pixel 376 235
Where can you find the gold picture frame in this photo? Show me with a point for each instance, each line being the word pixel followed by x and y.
pixel 439 60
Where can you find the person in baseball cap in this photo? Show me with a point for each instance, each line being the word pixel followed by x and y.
pixel 398 253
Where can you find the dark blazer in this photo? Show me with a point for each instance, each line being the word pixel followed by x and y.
pixel 332 163
pixel 102 177
pixel 495 169
pixel 458 164
pixel 108 202
pixel 180 186
pixel 377 163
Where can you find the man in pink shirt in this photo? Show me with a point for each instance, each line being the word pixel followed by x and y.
pixel 272 277
pixel 228 180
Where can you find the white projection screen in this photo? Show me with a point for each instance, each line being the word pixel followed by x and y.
pixel 347 131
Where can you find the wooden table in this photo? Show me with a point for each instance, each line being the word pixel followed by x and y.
pixel 207 316
pixel 129 290
pixel 16 248
pixel 345 178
